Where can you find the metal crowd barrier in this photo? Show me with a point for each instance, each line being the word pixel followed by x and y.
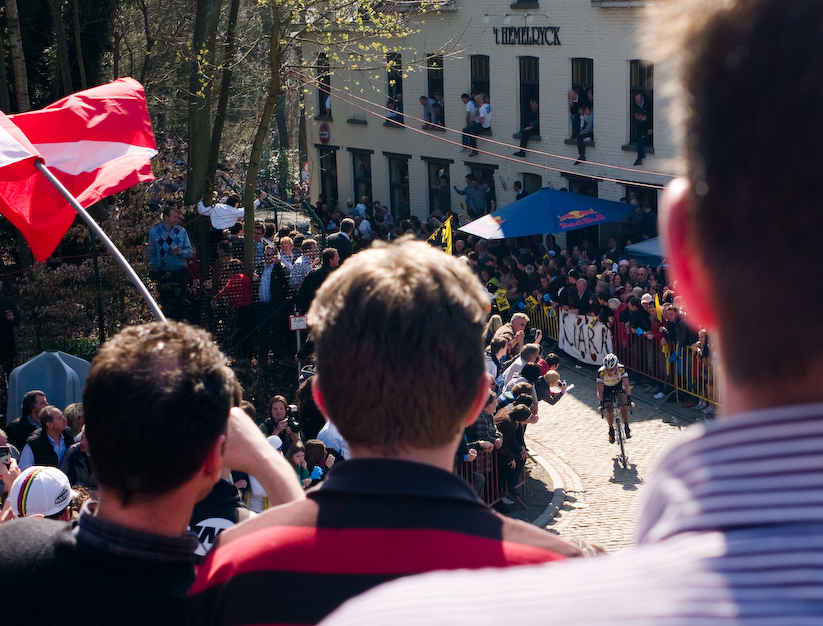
pixel 486 464
pixel 676 368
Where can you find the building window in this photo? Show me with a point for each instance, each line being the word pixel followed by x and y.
pixel 642 195
pixel 481 76
pixel 529 86
pixel 323 85
pixel 583 84
pixel 641 88
pixel 327 158
pixel 394 71
pixel 440 192
pixel 434 74
pixel 399 187
pixel 361 167
pixel 532 182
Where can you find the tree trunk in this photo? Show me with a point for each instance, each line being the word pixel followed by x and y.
pixel 56 7
pixel 260 137
pixel 116 73
pixel 144 71
pixel 78 45
pixel 5 103
pixel 282 127
pixel 225 86
pixel 200 90
pixel 18 60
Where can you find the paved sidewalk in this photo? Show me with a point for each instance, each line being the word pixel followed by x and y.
pixel 601 497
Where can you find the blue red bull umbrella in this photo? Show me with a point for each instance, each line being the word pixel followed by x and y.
pixel 546 211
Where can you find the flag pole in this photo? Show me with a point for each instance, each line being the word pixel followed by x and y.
pixel 95 227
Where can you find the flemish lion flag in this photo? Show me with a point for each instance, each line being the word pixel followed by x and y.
pixel 97 142
pixel 443 236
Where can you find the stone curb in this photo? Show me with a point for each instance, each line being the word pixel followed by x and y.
pixel 559 492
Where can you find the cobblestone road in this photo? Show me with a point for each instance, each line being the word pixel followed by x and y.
pixel 601 497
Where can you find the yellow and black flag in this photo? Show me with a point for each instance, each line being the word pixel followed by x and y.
pixel 442 237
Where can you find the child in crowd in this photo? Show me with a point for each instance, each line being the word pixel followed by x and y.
pixel 297 457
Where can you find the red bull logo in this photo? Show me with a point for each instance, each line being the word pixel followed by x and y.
pixel 577 215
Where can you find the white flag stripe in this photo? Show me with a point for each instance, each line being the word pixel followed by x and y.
pixel 78 157
pixel 10 149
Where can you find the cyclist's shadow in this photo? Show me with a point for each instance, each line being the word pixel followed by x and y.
pixel 627 478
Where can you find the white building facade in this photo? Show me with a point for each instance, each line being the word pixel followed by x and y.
pixel 513 51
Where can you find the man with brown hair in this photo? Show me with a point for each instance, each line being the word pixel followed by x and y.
pixel 732 524
pixel 160 424
pixel 408 319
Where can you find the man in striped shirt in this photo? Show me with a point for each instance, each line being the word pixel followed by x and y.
pixel 731 531
pixel 399 361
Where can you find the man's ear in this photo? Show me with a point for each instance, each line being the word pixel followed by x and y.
pixel 213 464
pixel 317 396
pixel 684 257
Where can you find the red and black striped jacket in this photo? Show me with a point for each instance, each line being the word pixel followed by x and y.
pixel 370 522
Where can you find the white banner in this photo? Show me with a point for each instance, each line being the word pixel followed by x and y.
pixel 584 337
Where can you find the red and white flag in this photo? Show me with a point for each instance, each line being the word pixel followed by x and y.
pixel 97 142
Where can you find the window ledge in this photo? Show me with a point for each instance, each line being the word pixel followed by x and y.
pixel 524 4
pixel 531 138
pixel 632 147
pixel 393 124
pixel 573 142
pixel 323 118
pixel 618 4
pixel 354 120
pixel 435 128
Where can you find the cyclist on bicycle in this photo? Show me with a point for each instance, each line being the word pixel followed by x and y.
pixel 613 384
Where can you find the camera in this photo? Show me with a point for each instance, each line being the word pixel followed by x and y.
pixel 5 455
pixel 291 418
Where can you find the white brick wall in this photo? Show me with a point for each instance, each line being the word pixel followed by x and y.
pixel 609 36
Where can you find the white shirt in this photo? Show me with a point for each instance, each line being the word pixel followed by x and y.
pixel 332 438
pixel 365 229
pixel 486 115
pixel 471 107
pixel 222 215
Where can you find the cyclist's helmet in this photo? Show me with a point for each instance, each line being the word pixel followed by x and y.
pixel 610 361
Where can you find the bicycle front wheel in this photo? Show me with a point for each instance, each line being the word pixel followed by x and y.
pixel 624 460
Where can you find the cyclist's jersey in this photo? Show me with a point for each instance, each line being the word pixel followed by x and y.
pixel 614 379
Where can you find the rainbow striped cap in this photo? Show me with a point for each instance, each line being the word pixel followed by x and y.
pixel 40 490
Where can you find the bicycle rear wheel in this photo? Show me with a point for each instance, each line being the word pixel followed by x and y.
pixel 624 460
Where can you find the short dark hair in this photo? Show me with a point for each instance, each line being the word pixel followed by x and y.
pixel 328 255
pixel 385 315
pixel 157 398
pixel 47 415
pixel 530 372
pixel 29 400
pixel 497 344
pixel 520 413
pixel 347 225
pixel 552 359
pixel 234 200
